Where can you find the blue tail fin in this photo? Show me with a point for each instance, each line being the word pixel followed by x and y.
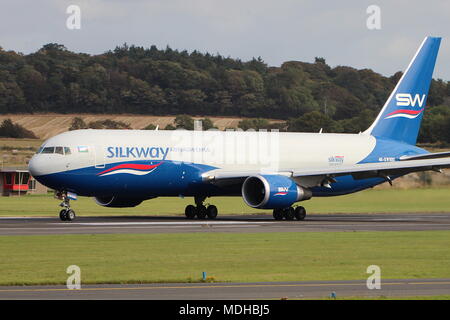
pixel 402 113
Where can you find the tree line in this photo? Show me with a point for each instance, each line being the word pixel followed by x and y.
pixel 138 80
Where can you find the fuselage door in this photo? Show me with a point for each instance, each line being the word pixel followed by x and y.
pixel 99 156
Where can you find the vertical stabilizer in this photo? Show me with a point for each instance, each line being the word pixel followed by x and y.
pixel 402 113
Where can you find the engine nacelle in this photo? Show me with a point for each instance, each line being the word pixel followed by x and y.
pixel 272 191
pixel 117 202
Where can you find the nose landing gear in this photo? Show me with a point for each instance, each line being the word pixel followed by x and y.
pixel 66 214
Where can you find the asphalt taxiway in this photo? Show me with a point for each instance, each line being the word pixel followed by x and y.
pixel 233 291
pixel 255 223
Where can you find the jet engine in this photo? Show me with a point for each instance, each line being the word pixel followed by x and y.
pixel 272 191
pixel 117 202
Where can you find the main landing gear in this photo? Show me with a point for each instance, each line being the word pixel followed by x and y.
pixel 200 210
pixel 290 213
pixel 66 214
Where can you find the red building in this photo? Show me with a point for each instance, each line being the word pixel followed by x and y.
pixel 14 181
pixel 17 182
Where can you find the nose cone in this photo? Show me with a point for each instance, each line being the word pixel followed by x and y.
pixel 47 170
pixel 38 166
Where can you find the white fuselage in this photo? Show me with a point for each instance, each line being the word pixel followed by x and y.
pixel 269 151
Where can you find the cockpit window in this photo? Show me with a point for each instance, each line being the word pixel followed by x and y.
pixel 48 150
pixel 58 150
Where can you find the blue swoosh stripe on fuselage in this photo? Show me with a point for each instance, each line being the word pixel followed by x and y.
pixel 171 178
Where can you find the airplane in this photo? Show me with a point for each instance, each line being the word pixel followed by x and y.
pixel 269 170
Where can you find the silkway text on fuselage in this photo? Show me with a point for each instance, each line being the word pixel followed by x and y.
pixel 137 152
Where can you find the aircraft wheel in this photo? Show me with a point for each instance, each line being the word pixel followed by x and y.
pixel 190 211
pixel 63 215
pixel 300 213
pixel 201 212
pixel 278 214
pixel 70 215
pixel 211 212
pixel 289 213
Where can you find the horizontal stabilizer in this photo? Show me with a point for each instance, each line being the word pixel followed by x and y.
pixel 436 155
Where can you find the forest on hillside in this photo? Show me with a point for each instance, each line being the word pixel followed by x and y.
pixel 137 80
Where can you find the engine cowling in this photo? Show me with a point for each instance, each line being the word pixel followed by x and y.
pixel 117 202
pixel 272 191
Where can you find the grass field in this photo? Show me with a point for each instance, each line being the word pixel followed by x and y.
pixel 247 257
pixel 47 125
pixel 20 143
pixel 369 201
pixel 16 152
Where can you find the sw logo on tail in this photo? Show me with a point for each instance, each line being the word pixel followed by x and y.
pixel 406 100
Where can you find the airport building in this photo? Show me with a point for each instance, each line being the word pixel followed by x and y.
pixel 16 182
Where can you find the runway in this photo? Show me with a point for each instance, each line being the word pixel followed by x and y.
pixel 230 224
pixel 233 291
pixel 256 223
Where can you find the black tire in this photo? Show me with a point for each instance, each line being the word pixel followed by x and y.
pixel 300 213
pixel 63 215
pixel 212 212
pixel 201 212
pixel 190 211
pixel 289 213
pixel 278 214
pixel 70 215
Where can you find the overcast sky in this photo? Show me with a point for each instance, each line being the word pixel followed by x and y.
pixel 277 31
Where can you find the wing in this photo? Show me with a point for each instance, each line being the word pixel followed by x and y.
pixel 311 177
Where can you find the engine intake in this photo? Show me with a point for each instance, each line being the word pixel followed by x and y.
pixel 117 202
pixel 272 191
